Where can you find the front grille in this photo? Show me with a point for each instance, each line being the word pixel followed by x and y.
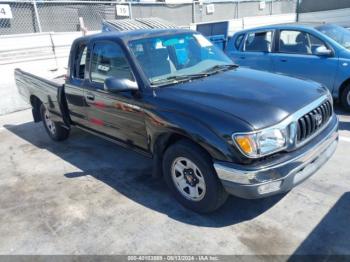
pixel 312 122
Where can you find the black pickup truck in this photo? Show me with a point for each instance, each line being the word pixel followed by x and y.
pixel 211 128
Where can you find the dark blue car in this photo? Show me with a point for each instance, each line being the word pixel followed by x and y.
pixel 319 52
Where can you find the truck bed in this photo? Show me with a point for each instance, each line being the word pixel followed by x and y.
pixel 54 80
pixel 50 92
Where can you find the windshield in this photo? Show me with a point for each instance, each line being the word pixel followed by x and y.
pixel 179 57
pixel 337 33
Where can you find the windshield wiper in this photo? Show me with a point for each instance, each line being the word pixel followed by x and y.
pixel 218 68
pixel 177 78
pixel 181 78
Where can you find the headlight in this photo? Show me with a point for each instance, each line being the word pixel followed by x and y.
pixel 261 143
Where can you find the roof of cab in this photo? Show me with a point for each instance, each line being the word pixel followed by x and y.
pixel 134 34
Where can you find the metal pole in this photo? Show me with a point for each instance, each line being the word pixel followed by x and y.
pixel 298 10
pixel 193 11
pixel 130 11
pixel 37 15
pixel 53 51
pixel 83 28
pixel 271 5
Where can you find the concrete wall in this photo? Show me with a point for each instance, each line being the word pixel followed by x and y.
pixel 10 101
pixel 39 46
pixel 180 14
pixel 184 14
pixel 32 53
pixel 254 21
pixel 340 16
pixel 322 5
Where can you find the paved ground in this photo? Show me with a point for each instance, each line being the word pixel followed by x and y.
pixel 88 196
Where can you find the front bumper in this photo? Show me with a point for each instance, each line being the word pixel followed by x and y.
pixel 279 175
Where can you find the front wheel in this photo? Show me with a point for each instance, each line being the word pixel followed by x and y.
pixel 189 173
pixel 54 129
pixel 345 98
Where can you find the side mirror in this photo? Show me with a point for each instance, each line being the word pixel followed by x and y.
pixel 323 51
pixel 115 85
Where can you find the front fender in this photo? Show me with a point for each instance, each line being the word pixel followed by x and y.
pixel 164 125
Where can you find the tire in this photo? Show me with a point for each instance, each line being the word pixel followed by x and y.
pixel 53 129
pixel 345 98
pixel 197 187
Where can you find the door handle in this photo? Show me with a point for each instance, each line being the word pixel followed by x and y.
pixel 284 60
pixel 90 96
pixel 242 57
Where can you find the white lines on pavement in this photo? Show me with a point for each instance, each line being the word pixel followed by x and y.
pixel 346 139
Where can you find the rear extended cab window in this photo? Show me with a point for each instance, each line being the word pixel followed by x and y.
pixel 80 62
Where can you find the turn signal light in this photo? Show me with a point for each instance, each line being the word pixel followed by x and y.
pixel 245 143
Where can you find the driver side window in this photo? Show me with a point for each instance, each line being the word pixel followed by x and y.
pixel 298 42
pixel 295 42
pixel 108 60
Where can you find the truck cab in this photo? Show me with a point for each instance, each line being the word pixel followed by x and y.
pixel 114 113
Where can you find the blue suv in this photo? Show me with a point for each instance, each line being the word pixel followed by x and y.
pixel 319 52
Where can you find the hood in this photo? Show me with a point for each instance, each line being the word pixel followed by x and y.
pixel 261 99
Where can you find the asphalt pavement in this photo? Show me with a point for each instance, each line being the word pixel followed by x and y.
pixel 89 196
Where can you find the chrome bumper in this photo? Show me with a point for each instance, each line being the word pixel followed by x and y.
pixel 282 174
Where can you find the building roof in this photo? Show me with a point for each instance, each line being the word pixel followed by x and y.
pixel 134 24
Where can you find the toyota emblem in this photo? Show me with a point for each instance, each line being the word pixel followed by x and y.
pixel 318 119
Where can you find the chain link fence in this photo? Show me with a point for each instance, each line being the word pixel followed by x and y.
pixel 31 16
pixel 53 16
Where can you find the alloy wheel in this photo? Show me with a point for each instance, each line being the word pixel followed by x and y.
pixel 188 179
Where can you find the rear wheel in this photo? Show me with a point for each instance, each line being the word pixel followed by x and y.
pixel 189 173
pixel 54 129
pixel 345 98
